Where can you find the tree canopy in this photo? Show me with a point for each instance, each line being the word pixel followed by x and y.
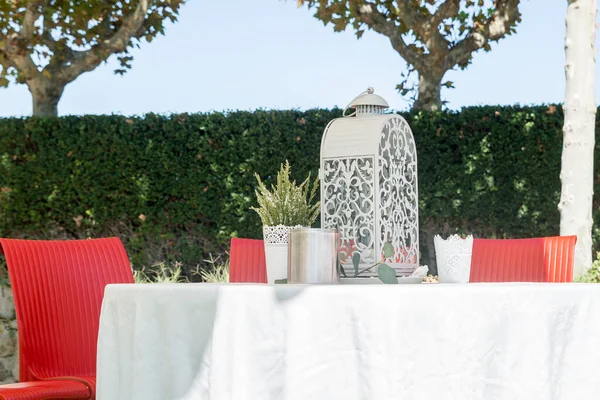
pixel 47 44
pixel 433 36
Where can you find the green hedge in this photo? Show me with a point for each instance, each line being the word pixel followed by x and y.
pixel 178 187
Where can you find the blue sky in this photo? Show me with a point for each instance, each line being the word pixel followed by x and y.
pixel 241 54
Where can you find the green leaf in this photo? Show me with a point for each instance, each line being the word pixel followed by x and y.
pixel 341 269
pixel 278 281
pixel 386 274
pixel 388 250
pixel 356 262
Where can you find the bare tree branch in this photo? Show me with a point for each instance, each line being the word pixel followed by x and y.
pixel 505 17
pixel 427 28
pixel 88 60
pixel 18 48
pixel 380 23
pixel 32 14
pixel 412 18
pixel 447 9
pixel 25 65
pixel 62 53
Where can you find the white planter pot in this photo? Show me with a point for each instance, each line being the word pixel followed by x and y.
pixel 453 257
pixel 276 251
pixel 276 256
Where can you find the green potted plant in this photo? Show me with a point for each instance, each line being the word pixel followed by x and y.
pixel 284 206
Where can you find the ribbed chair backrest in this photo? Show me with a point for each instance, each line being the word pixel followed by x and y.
pixel 559 257
pixel 58 288
pixel 247 261
pixel 548 259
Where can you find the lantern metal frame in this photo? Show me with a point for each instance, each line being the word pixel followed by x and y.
pixel 369 195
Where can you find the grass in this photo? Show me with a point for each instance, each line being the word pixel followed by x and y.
pixel 160 273
pixel 164 273
pixel 219 273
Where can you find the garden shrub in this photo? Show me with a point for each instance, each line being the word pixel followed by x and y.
pixel 177 187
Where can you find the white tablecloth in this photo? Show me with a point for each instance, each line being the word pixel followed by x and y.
pixel 433 342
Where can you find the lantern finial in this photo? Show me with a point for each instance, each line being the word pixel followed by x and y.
pixel 367 103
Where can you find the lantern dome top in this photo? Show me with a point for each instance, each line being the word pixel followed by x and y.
pixel 367 103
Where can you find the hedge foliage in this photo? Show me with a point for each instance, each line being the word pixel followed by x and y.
pixel 178 187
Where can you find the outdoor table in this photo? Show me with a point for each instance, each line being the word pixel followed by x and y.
pixel 428 341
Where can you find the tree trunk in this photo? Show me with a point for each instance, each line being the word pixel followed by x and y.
pixel 46 95
pixel 429 96
pixel 577 169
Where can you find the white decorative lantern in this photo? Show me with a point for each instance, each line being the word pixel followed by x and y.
pixel 369 185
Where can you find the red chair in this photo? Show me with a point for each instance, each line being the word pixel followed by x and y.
pixel 58 288
pixel 247 261
pixel 548 259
